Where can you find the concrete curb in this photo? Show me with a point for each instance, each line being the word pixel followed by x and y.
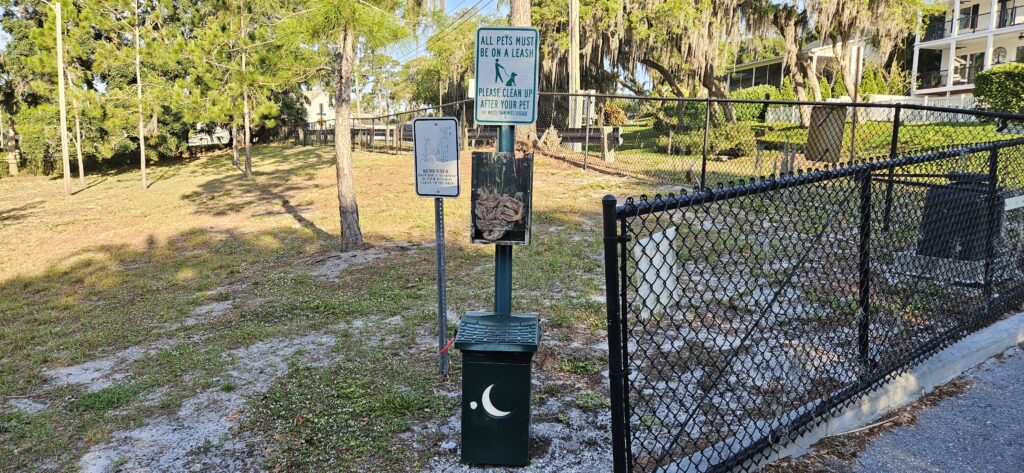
pixel 909 386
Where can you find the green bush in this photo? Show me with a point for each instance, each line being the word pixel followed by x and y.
pixel 754 112
pixel 668 117
pixel 730 139
pixel 613 116
pixel 1001 88
pixel 39 141
pixel 876 80
pixel 825 88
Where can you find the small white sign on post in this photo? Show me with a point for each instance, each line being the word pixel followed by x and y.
pixel 436 151
pixel 506 75
pixel 436 154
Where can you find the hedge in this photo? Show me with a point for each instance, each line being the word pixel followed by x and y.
pixel 1001 88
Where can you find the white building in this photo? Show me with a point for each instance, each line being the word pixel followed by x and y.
pixel 971 36
pixel 770 71
pixel 320 107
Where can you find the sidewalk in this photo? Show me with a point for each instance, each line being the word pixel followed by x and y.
pixel 981 430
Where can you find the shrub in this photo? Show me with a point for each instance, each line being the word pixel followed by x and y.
pixel 39 141
pixel 692 117
pixel 1001 88
pixel 825 88
pixel 876 80
pixel 753 112
pixel 730 139
pixel 613 116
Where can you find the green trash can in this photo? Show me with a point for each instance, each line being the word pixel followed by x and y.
pixel 496 357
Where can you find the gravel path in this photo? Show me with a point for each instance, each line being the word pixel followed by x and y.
pixel 979 431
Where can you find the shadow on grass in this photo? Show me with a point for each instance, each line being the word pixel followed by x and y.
pixel 226 194
pixel 94 183
pixel 16 214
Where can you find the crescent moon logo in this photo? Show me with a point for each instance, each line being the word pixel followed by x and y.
pixel 489 406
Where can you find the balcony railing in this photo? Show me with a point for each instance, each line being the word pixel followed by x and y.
pixel 1010 17
pixel 962 75
pixel 974 23
pixel 939 29
pixel 931 79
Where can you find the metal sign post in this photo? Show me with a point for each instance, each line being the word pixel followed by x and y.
pixel 442 284
pixel 436 151
pixel 503 253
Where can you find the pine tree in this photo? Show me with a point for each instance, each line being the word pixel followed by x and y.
pixel 339 27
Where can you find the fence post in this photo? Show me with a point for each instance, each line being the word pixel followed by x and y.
pixel 994 207
pixel 586 133
pixel 864 254
pixel 887 212
pixel 704 154
pixel 616 374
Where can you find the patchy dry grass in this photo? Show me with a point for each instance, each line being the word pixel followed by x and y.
pixel 172 286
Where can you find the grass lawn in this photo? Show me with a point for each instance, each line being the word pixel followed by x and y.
pixel 209 321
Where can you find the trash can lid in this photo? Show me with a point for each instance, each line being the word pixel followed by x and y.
pixel 486 331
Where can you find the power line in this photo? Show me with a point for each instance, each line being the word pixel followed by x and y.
pixel 441 32
pixel 459 21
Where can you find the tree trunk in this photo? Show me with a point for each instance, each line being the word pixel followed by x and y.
pixel 10 146
pixel 62 100
pixel 840 49
pixel 78 145
pixel 520 14
pixel 138 92
pixel 348 210
pixel 246 133
pixel 716 91
pixel 786 21
pixel 234 146
pixel 246 129
pixel 811 75
pixel 666 75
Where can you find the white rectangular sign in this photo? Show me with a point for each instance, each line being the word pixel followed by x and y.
pixel 506 75
pixel 436 151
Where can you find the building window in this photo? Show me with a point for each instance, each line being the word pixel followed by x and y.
pixel 321 110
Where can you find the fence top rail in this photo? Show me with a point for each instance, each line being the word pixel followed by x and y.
pixel 644 206
pixel 418 110
pixel 881 105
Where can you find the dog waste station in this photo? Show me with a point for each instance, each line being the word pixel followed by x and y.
pixel 498 346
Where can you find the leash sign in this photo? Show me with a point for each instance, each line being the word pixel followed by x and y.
pixel 506 75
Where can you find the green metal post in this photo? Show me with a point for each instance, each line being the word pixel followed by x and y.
pixel 503 253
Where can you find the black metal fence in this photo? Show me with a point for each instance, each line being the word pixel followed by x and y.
pixel 741 316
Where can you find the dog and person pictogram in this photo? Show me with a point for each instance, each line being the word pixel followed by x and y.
pixel 499 72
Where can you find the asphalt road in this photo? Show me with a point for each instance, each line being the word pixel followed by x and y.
pixel 979 431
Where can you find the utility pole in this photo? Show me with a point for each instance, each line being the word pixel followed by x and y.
pixel 575 103
pixel 62 99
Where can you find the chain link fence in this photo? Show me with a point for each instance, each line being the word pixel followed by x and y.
pixel 741 316
pixel 696 143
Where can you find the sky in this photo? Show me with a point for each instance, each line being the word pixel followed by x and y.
pixel 416 46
